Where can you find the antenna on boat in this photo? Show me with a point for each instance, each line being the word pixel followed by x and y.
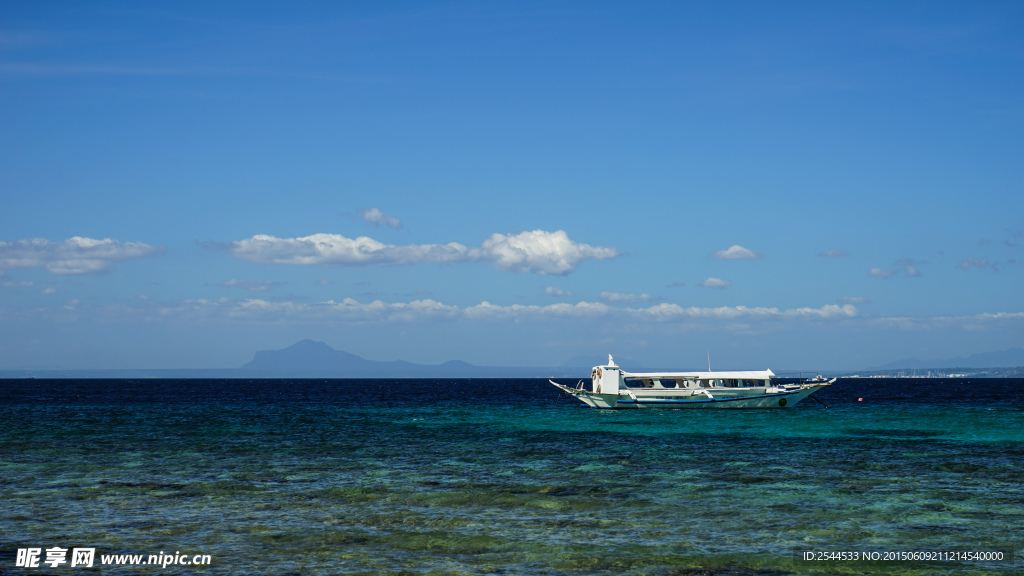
pixel 709 360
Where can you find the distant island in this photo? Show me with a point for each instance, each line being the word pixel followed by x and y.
pixel 1004 358
pixel 1007 363
pixel 312 359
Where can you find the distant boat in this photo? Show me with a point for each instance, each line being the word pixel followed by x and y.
pixel 612 387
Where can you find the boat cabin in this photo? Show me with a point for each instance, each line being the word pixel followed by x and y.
pixel 634 381
pixel 609 379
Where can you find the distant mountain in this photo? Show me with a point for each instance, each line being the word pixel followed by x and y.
pixel 307 355
pixel 311 359
pixel 1006 358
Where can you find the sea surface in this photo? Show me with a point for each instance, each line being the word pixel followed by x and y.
pixel 466 477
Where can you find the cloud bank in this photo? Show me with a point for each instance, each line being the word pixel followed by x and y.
pixel 537 251
pixel 350 309
pixel 76 255
pixel 427 310
pixel 630 298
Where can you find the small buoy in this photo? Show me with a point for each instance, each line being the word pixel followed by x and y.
pixel 860 399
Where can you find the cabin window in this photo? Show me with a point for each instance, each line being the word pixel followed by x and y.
pixel 636 383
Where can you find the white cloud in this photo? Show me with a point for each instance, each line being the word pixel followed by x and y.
pixel 626 298
pixel 854 300
pixel 324 281
pixel 76 255
pixel 337 250
pixel 376 217
pixel 910 265
pixel 833 254
pixel 553 291
pixel 712 282
pixel 972 262
pixel 50 290
pixel 736 252
pixel 536 251
pixel 251 285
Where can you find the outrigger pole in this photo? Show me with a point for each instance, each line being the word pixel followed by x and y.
pixel 818 401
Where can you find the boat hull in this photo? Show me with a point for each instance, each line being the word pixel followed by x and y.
pixel 692 399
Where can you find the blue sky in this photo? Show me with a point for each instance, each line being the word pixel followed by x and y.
pixel 784 185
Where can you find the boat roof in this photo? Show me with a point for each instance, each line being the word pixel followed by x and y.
pixel 743 374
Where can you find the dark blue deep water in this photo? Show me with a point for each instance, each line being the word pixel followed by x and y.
pixel 447 477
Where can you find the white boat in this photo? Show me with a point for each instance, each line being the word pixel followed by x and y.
pixel 613 387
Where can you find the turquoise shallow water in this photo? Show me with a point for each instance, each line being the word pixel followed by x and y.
pixel 506 477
